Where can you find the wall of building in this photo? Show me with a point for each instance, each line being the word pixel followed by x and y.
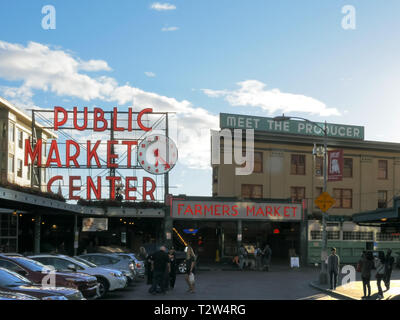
pixel 10 146
pixel 277 179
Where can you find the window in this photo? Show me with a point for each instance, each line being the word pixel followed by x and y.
pixel 316 235
pixel 252 191
pixel 387 236
pixel 348 168
pixel 10 163
pixel 319 166
pixel 258 162
pixel 332 235
pixel 63 265
pixel 215 174
pixel 10 266
pixel 382 169
pixel 297 193
pixel 19 168
pixel 20 139
pixel 11 132
pixel 298 164
pixel 344 198
pixel 382 199
pixel 100 260
pixel 357 235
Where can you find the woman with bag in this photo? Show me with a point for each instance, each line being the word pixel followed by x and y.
pixel 190 263
pixel 380 272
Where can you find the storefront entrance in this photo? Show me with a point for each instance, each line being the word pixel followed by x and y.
pixel 215 228
pixel 282 237
pixel 8 232
pixel 218 240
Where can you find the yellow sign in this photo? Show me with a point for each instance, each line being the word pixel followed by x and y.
pixel 324 201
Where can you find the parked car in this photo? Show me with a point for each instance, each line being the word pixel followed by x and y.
pixel 7 295
pixel 15 283
pixel 127 267
pixel 35 272
pixel 139 264
pixel 108 279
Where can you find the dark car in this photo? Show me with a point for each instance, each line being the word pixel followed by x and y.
pixel 7 295
pixel 180 256
pixel 15 285
pixel 35 272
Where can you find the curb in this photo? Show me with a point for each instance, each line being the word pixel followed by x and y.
pixel 332 293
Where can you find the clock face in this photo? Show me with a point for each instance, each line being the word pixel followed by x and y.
pixel 157 154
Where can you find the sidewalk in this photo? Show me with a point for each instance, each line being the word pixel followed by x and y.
pixel 354 290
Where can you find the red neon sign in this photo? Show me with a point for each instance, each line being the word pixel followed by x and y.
pixel 90 149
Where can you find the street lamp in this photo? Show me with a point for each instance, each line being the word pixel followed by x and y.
pixel 323 277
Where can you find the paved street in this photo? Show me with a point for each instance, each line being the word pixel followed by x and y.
pixel 279 283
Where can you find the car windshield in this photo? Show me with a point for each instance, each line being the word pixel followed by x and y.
pixel 30 264
pixel 85 262
pixel 12 279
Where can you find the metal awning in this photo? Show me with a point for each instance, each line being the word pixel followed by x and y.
pixel 380 215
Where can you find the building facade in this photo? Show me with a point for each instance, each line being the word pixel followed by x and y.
pixel 287 166
pixel 16 127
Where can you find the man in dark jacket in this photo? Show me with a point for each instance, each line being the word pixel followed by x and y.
pixel 389 261
pixel 160 265
pixel 333 268
pixel 367 264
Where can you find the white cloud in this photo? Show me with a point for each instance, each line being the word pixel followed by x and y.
pixel 168 29
pixel 94 65
pixel 41 67
pixel 162 6
pixel 150 74
pixel 254 93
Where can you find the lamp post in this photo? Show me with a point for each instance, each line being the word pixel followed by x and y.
pixel 323 277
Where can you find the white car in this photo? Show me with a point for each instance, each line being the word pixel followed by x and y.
pixel 108 279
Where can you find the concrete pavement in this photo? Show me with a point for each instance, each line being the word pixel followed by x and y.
pixel 354 290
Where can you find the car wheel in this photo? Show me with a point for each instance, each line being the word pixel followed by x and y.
pixel 103 287
pixel 182 267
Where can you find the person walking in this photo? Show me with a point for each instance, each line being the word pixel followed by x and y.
pixel 389 261
pixel 258 257
pixel 160 263
pixel 242 256
pixel 172 273
pixel 147 264
pixel 366 264
pixel 190 268
pixel 380 272
pixel 267 255
pixel 333 268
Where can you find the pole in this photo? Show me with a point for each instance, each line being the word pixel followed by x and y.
pixel 112 170
pixel 38 221
pixel 76 235
pixel 323 279
pixel 168 222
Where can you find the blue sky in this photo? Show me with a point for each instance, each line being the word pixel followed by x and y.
pixel 297 47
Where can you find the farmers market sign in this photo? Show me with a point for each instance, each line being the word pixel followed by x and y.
pixel 235 121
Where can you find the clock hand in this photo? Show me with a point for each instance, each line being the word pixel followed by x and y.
pixel 157 155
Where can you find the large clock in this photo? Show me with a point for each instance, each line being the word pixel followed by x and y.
pixel 157 154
